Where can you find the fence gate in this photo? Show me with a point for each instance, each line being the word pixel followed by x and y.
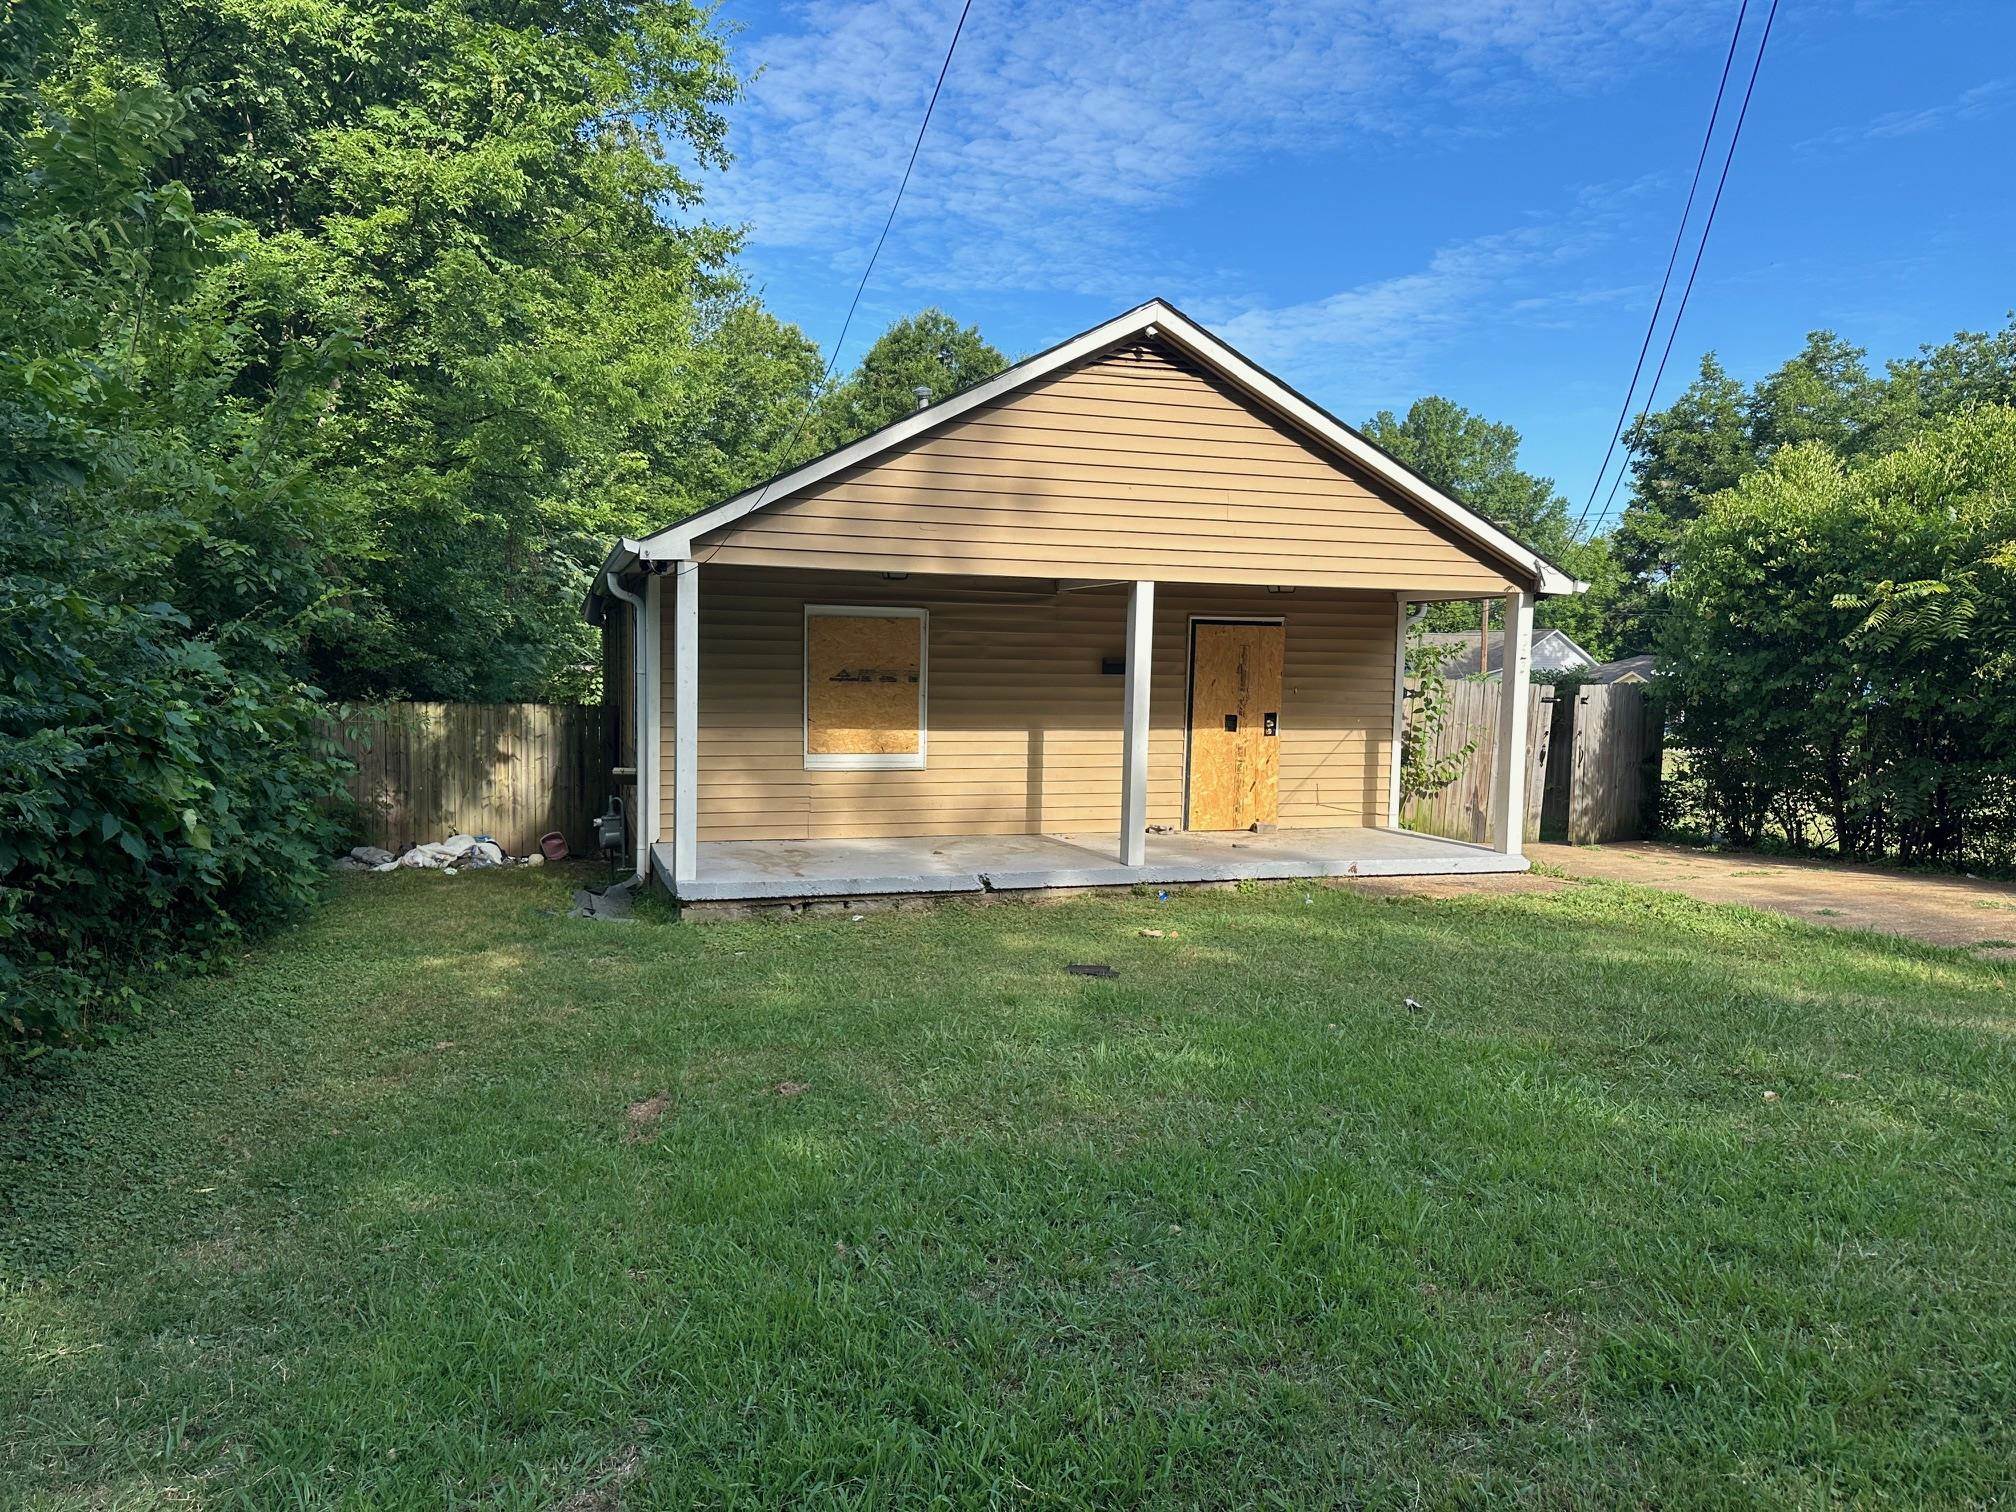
pixel 1592 765
pixel 1612 749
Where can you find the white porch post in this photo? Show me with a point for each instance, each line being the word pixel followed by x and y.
pixel 1515 698
pixel 1134 731
pixel 685 721
pixel 1399 709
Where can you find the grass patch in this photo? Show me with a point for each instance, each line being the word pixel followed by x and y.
pixel 432 1203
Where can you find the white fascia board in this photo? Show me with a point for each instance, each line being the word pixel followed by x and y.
pixel 675 542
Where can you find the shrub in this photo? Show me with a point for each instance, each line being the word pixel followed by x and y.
pixel 154 803
pixel 1839 654
pixel 161 771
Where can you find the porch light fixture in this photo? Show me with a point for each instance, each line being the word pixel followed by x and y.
pixel 894 577
pixel 1280 590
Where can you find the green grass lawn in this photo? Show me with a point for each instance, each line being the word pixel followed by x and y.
pixel 910 1212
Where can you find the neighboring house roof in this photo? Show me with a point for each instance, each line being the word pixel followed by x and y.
pixel 1628 669
pixel 1154 319
pixel 1553 651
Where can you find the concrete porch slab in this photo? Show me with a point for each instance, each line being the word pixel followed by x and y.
pixel 782 870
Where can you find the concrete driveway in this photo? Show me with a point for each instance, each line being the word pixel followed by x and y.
pixel 1941 910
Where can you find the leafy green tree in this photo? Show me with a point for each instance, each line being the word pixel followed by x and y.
pixel 1707 441
pixel 1680 456
pixel 929 351
pixel 1717 432
pixel 1839 651
pixel 495 204
pixel 1975 367
pixel 1823 394
pixel 1476 461
pixel 162 778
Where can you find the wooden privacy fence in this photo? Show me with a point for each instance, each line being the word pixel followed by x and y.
pixel 1592 765
pixel 510 771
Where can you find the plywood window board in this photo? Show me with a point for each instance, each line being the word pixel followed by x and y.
pixel 865 687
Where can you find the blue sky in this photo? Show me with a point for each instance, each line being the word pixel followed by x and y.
pixel 1386 198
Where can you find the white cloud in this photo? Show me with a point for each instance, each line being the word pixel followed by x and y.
pixel 1970 105
pixel 1060 123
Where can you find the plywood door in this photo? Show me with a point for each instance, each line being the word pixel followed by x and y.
pixel 1235 711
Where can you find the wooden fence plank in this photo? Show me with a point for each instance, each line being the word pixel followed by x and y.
pixel 1592 759
pixel 511 771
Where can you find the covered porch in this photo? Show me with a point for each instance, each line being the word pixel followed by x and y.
pixel 742 871
pixel 1055 740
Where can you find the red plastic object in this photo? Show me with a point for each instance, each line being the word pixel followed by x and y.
pixel 553 845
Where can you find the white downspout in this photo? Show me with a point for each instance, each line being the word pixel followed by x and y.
pixel 646 776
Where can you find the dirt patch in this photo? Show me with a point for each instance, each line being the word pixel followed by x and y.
pixel 1450 887
pixel 610 1477
pixel 1957 911
pixel 219 1252
pixel 792 1089
pixel 641 1119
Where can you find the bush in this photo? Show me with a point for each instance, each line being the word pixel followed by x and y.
pixel 1840 652
pixel 161 770
pixel 154 804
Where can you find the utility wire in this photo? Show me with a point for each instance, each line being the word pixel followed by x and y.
pixel 908 168
pixel 1680 311
pixel 1672 260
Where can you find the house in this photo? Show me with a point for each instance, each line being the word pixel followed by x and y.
pixel 1554 653
pixel 1131 611
pixel 1629 669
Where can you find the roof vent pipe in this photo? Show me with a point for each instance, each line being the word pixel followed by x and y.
pixel 923 393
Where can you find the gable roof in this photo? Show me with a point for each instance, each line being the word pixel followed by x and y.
pixel 1157 319
pixel 1553 651
pixel 1626 669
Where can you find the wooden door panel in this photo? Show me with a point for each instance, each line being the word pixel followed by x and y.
pixel 1235 696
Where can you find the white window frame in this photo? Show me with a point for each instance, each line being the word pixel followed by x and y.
pixel 890 761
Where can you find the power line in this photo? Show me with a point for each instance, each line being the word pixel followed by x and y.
pixel 1672 260
pixel 1680 311
pixel 908 168
pixel 916 146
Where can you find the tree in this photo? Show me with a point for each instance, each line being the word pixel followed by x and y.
pixel 1707 441
pixel 162 776
pixel 1824 394
pixel 1476 461
pixel 1974 368
pixel 476 195
pixel 1717 432
pixel 1839 653
pixel 1680 456
pixel 929 351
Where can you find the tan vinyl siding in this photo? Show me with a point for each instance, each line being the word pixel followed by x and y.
pixel 1023 728
pixel 1132 465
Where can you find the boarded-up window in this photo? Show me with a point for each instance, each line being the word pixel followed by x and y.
pixel 864 688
